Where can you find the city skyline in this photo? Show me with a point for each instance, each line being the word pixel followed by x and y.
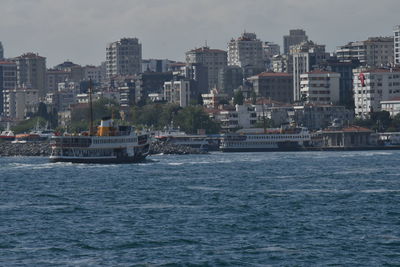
pixel 80 30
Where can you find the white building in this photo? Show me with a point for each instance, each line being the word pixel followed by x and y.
pixel 270 50
pixel 177 92
pixel 396 45
pixel 18 102
pixel 371 86
pixel 123 57
pixel 320 87
pixel 213 59
pixel 246 50
pixel 306 57
pixel 244 116
pixel 212 99
pixel 392 106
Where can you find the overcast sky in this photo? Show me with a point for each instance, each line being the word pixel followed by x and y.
pixel 79 30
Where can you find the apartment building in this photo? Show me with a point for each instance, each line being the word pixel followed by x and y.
pixel 371 86
pixel 295 37
pixel 246 50
pixel 123 57
pixel 320 87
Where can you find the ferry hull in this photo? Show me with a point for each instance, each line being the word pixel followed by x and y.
pixel 277 149
pixel 108 160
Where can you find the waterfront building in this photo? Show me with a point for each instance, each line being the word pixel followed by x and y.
pixel 18 102
pixel 123 57
pixel 306 57
pixel 273 85
pixel 229 79
pixel 246 51
pixel 343 137
pixel 243 116
pixel 371 86
pixel 320 87
pixel 319 116
pixel 31 72
pixel 8 79
pixel 374 52
pixel 178 92
pixel 213 59
pixel 295 37
pixel 396 47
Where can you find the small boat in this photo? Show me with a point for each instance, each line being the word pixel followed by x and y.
pixel 45 133
pixel 111 144
pixel 26 138
pixel 7 135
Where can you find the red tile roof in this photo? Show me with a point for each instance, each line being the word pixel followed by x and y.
pixel 274 74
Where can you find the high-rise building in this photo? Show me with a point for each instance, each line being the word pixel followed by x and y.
pixel 31 72
pixel 295 37
pixel 18 102
pixel 397 45
pixel 306 57
pixel 230 78
pixel 213 59
pixel 374 52
pixel 246 51
pixel 124 57
pixel 1 51
pixel 270 50
pixel 8 79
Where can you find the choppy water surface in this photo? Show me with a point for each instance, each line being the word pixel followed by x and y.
pixel 261 209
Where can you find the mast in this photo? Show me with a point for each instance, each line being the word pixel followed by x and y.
pixel 263 114
pixel 90 108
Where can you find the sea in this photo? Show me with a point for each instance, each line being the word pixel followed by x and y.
pixel 217 209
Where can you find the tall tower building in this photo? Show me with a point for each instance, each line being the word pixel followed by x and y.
pixel 306 57
pixel 246 51
pixel 8 79
pixel 1 51
pixel 31 72
pixel 123 57
pixel 295 37
pixel 213 59
pixel 397 45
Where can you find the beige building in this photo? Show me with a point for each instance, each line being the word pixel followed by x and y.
pixel 123 57
pixel 213 59
pixel 277 86
pixel 18 102
pixel 31 72
pixel 246 50
pixel 374 52
pixel 320 87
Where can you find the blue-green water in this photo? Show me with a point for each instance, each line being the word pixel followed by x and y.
pixel 261 209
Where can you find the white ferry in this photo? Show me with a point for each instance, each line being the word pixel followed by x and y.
pixel 110 145
pixel 258 139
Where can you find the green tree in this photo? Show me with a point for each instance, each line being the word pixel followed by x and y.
pixel 192 118
pixel 238 98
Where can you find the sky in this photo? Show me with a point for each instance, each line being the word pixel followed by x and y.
pixel 79 30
